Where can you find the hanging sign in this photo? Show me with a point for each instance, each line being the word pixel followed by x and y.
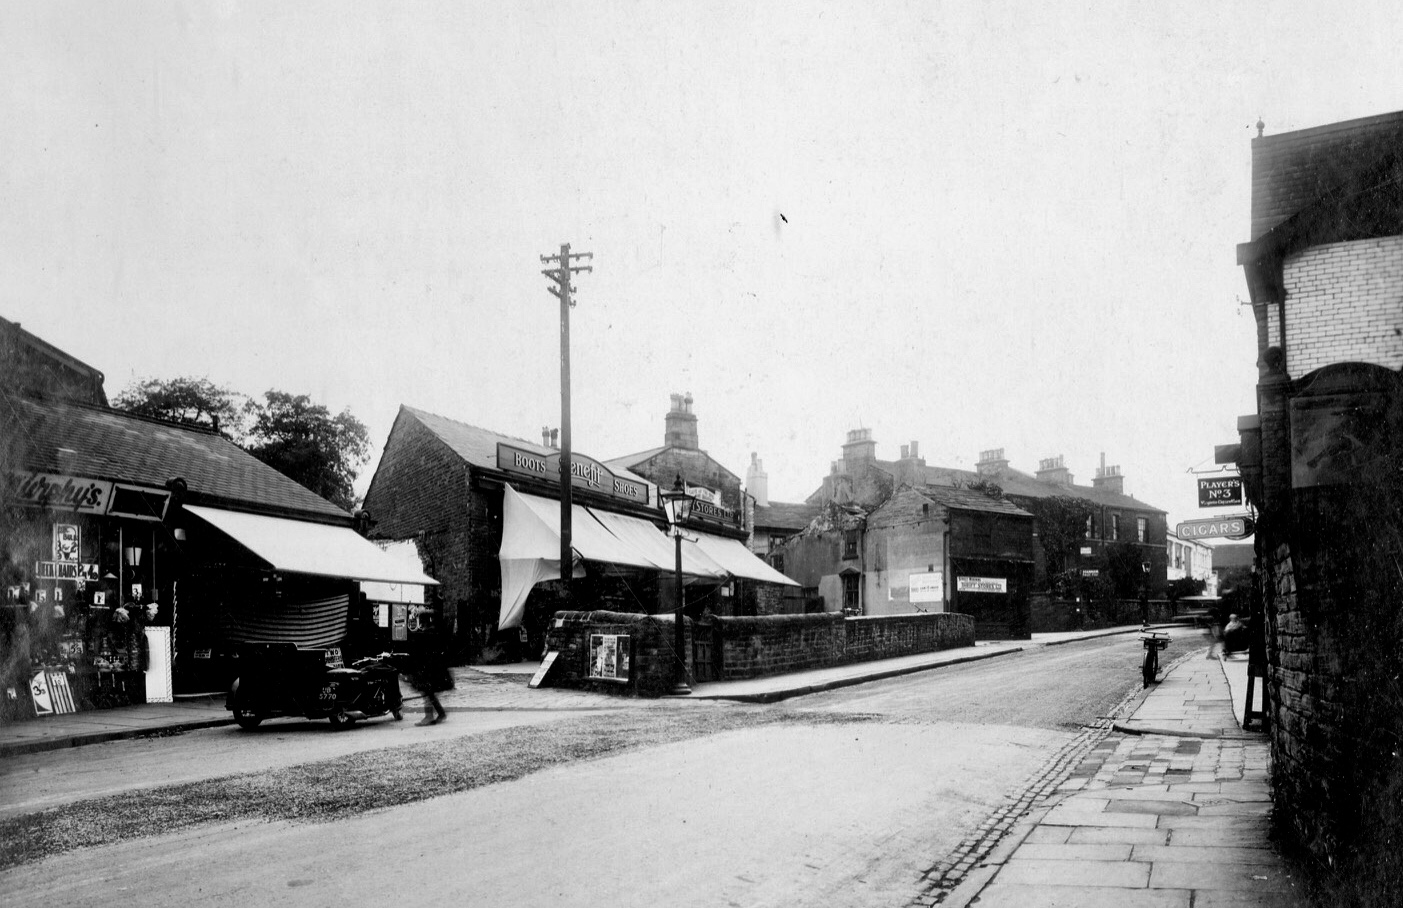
pixel 1226 527
pixel 1220 492
pixel 585 472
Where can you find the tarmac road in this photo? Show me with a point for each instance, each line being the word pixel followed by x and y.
pixel 787 814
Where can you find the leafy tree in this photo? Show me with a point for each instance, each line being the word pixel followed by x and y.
pixel 195 401
pixel 1123 569
pixel 1184 586
pixel 305 442
pixel 1062 522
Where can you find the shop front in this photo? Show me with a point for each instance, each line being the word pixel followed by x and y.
pixel 137 555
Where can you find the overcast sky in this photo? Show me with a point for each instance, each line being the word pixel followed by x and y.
pixel 970 224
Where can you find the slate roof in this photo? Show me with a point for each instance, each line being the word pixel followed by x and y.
pixel 1291 170
pixel 629 461
pixel 970 500
pixel 785 516
pixel 478 446
pixel 99 443
pixel 1016 483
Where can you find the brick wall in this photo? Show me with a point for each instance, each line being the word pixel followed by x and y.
pixel 1345 304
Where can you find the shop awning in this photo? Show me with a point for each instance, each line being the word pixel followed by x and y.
pixel 301 547
pixel 738 560
pixel 588 537
pixel 658 547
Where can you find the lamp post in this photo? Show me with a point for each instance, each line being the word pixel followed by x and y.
pixel 678 505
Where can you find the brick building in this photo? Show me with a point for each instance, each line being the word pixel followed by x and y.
pixel 1321 461
pixel 462 492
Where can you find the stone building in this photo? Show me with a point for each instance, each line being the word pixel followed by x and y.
pixel 1119 525
pixel 484 507
pixel 1321 460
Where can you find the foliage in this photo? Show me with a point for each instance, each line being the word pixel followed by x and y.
pixel 195 401
pixel 1184 586
pixel 1124 570
pixel 1062 522
pixel 987 487
pixel 305 442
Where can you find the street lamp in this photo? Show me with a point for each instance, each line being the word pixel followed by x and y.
pixel 678 505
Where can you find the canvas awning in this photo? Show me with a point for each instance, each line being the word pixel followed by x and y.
pixel 302 547
pixel 658 547
pixel 738 560
pixel 530 549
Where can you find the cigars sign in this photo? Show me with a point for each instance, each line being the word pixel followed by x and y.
pixel 585 472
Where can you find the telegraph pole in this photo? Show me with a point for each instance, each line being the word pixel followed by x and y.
pixel 562 290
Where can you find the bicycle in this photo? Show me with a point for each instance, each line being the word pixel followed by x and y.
pixel 1153 641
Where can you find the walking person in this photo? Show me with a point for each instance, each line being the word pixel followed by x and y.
pixel 430 676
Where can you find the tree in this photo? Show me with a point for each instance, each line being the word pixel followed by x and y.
pixel 195 401
pixel 1062 521
pixel 305 442
pixel 1184 586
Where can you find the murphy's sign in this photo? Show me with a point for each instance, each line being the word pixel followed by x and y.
pixel 60 493
pixel 585 472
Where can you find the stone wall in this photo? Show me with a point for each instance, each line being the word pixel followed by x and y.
pixel 889 636
pixel 651 663
pixel 776 644
pixel 1051 616
pixel 749 647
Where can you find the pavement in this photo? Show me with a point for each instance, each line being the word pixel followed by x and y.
pixel 1171 809
pixel 479 688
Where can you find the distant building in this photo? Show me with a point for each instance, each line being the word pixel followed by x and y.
pixel 1117 519
pixel 771 522
pixel 1189 558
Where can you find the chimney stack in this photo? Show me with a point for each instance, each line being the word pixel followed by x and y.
pixel 680 426
pixel 1051 469
pixel 991 462
pixel 859 447
pixel 1109 478
pixel 757 481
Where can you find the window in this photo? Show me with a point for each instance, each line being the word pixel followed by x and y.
pixel 851 603
pixel 1142 529
pixel 777 561
pixel 850 544
pixel 1088 526
pixel 1115 527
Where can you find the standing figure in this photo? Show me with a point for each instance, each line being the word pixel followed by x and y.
pixel 429 676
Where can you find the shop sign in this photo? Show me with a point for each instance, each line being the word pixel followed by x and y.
pixel 926 587
pixel 585 472
pixel 59 492
pixel 66 570
pixel 608 657
pixel 708 511
pixel 1220 492
pixel 1225 527
pixel 981 584
pixel 1090 572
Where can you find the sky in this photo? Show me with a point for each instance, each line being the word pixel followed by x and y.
pixel 972 225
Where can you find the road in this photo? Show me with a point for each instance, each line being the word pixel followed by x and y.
pixel 844 797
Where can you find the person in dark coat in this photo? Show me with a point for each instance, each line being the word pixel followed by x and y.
pixel 429 677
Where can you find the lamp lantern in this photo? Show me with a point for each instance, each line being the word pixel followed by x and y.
pixel 678 506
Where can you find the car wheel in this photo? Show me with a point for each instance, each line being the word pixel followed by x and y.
pixel 339 719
